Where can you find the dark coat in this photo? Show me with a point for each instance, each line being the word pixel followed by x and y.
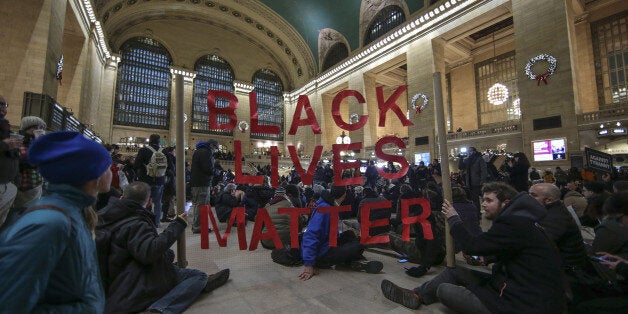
pixel 224 205
pixel 526 277
pixel 518 175
pixel 140 263
pixel 202 166
pixel 142 159
pixel 376 214
pixel 563 230
pixel 475 169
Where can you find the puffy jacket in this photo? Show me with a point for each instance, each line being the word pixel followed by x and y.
pixel 202 165
pixel 577 201
pixel 224 205
pixel 140 262
pixel 526 277
pixel 315 242
pixel 48 260
pixel 281 221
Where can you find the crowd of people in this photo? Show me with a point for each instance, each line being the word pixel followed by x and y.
pixel 87 219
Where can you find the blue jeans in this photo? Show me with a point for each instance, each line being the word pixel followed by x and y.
pixel 190 284
pixel 156 192
pixel 200 196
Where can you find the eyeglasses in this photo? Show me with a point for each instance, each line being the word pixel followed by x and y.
pixel 4 104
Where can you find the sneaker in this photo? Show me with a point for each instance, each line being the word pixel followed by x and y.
pixel 216 280
pixel 197 231
pixel 370 267
pixel 417 271
pixel 405 297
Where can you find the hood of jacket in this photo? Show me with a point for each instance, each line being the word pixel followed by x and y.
pixel 121 209
pixel 202 145
pixel 524 205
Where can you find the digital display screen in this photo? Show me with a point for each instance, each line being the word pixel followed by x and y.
pixel 548 150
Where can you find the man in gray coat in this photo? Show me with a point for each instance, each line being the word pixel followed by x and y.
pixel 475 174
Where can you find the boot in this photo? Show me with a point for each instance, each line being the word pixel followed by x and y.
pixel 405 297
pixel 216 280
pixel 417 271
pixel 370 267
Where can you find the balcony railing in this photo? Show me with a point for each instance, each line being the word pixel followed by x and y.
pixel 617 113
pixel 502 128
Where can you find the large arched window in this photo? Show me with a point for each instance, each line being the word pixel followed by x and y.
pixel 212 73
pixel 143 89
pixel 269 90
pixel 337 53
pixel 387 19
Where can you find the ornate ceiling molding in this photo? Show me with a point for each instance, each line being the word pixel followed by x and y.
pixel 243 16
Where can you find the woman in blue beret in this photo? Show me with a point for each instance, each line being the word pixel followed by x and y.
pixel 48 257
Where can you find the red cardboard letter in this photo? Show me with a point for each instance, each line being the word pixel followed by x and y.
pixel 304 102
pixel 294 213
pixel 335 110
pixel 255 127
pixel 333 221
pixel 239 177
pixel 214 111
pixel 366 224
pixel 236 214
pixel 390 104
pixel 308 176
pixel 263 220
pixel 406 220
pixel 379 152
pixel 339 166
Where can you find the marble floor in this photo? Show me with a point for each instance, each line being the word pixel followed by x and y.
pixel 258 285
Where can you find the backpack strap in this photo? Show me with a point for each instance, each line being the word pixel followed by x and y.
pixel 51 207
pixel 151 148
pixel 38 207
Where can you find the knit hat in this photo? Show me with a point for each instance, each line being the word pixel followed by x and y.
pixel 292 190
pixel 68 157
pixel 213 142
pixel 280 190
pixel 31 121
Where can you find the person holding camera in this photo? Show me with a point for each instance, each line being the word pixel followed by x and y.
pixel 518 169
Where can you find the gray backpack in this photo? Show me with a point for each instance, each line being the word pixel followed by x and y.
pixel 158 163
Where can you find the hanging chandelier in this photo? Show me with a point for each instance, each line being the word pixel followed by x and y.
pixel 497 94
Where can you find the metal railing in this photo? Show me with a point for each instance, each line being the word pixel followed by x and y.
pixel 502 128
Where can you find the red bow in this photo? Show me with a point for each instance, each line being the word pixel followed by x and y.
pixel 542 77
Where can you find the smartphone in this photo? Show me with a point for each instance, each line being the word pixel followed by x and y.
pixel 475 256
pixel 402 261
pixel 599 259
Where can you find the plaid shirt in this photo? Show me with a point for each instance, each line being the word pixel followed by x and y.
pixel 29 175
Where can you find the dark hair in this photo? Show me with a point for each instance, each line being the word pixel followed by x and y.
pixel 594 186
pixel 154 139
pixel 458 195
pixel 502 190
pixel 621 186
pixel 369 192
pixel 137 191
pixel 337 191
pixel 292 190
pixel 523 159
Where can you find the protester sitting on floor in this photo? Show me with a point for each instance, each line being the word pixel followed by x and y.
pixel 225 202
pixel 607 303
pixel 574 198
pixel 559 226
pixel 282 221
pixel 48 257
pixel 596 196
pixel 611 235
pixel 526 277
pixel 137 263
pixel 315 244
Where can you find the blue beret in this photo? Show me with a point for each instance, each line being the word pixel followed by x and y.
pixel 69 158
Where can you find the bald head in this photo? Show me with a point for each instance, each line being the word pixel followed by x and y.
pixel 545 193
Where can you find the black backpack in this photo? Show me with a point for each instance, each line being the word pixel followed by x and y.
pixel 104 234
pixel 287 256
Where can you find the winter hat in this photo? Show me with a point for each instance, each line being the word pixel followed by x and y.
pixel 280 190
pixel 68 157
pixel 213 142
pixel 31 121
pixel 292 190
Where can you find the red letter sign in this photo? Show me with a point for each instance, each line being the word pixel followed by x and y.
pixel 406 220
pixel 308 176
pixel 239 177
pixel 213 111
pixel 255 127
pixel 304 102
pixel 379 152
pixel 366 224
pixel 335 110
pixel 390 104
pixel 339 167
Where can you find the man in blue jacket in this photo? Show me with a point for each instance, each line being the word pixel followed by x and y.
pixel 315 243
